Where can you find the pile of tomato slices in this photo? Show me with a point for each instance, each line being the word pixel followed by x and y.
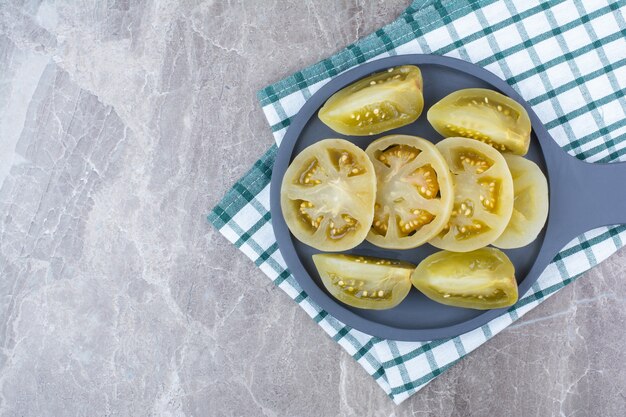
pixel 470 190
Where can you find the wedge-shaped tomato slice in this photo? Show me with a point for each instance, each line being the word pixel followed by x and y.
pixel 414 193
pixel 375 104
pixel 485 115
pixel 482 279
pixel 365 282
pixel 483 195
pixel 530 206
pixel 327 195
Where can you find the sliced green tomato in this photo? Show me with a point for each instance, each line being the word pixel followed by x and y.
pixel 375 104
pixel 530 206
pixel 485 115
pixel 482 279
pixel 327 195
pixel 414 191
pixel 483 195
pixel 364 282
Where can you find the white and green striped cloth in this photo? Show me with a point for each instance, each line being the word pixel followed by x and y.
pixel 566 58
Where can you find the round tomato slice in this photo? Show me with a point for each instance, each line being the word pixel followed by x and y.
pixel 485 115
pixel 530 206
pixel 483 195
pixel 327 195
pixel 375 104
pixel 414 192
pixel 364 282
pixel 482 279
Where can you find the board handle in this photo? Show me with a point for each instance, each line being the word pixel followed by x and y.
pixel 583 196
pixel 593 195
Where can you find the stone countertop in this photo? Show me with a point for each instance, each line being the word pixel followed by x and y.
pixel 121 125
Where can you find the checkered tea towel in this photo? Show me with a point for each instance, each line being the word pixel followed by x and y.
pixel 566 58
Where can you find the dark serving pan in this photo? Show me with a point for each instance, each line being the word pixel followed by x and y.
pixel 583 196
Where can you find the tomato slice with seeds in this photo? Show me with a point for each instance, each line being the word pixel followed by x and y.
pixel 375 104
pixel 530 206
pixel 414 192
pixel 482 279
pixel 365 282
pixel 485 115
pixel 483 195
pixel 327 195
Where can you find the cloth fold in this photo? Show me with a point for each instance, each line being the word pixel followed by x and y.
pixel 566 58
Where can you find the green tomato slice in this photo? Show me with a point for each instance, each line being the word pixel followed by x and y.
pixel 530 206
pixel 414 191
pixel 483 195
pixel 365 282
pixel 484 115
pixel 482 279
pixel 377 103
pixel 327 195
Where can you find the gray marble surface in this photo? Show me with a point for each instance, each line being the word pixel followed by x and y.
pixel 121 124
